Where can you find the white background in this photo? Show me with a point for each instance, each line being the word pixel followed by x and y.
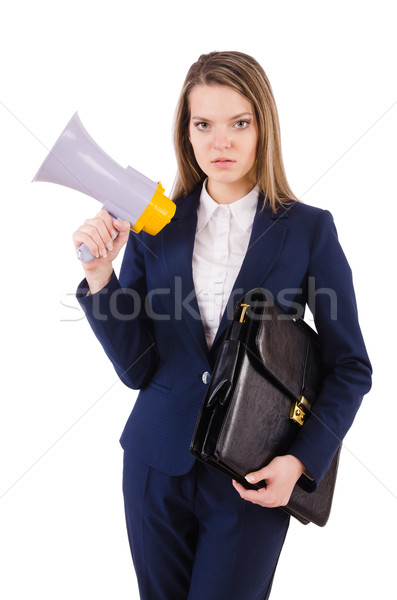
pixel 121 65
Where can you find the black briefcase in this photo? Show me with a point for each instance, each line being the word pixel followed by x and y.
pixel 264 383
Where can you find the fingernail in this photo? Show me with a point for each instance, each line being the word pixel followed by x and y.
pixel 110 245
pixel 113 233
pixel 250 478
pixel 117 222
pixel 104 253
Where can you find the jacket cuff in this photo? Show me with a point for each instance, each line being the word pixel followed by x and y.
pixel 83 290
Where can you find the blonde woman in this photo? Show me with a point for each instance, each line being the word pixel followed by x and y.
pixel 195 534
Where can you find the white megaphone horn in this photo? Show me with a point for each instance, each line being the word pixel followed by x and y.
pixel 76 161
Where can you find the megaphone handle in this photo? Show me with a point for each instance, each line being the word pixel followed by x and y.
pixel 84 253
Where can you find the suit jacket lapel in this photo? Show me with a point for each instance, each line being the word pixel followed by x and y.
pixel 266 242
pixel 178 242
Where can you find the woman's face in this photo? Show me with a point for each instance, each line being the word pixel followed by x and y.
pixel 224 136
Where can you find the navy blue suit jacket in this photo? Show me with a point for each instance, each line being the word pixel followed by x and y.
pixel 149 325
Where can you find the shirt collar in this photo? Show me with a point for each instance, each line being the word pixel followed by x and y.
pixel 243 210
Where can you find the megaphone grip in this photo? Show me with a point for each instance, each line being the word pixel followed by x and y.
pixel 84 253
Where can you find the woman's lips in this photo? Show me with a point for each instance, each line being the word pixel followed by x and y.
pixel 223 162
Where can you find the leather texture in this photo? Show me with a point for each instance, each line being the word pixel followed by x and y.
pixel 265 364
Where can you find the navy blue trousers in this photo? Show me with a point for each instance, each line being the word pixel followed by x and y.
pixel 193 538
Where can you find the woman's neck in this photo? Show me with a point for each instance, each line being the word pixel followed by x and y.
pixel 227 193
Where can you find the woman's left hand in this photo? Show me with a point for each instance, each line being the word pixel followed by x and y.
pixel 280 475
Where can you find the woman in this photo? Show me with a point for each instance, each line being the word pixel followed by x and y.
pixel 237 226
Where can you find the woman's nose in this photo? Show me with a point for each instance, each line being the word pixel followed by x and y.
pixel 221 140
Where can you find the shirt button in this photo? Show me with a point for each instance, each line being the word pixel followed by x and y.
pixel 206 376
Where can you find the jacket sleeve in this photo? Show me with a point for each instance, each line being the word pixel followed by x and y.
pixel 345 363
pixel 117 316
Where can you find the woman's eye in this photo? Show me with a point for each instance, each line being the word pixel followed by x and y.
pixel 202 126
pixel 242 124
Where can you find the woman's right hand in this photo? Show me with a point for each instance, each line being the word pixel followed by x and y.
pixel 99 234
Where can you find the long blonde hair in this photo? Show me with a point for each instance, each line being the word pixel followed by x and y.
pixel 244 74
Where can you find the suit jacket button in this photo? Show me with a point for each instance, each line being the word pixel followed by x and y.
pixel 206 376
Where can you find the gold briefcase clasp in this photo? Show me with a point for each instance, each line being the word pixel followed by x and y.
pixel 299 410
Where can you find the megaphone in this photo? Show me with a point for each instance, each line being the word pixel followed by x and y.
pixel 76 161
